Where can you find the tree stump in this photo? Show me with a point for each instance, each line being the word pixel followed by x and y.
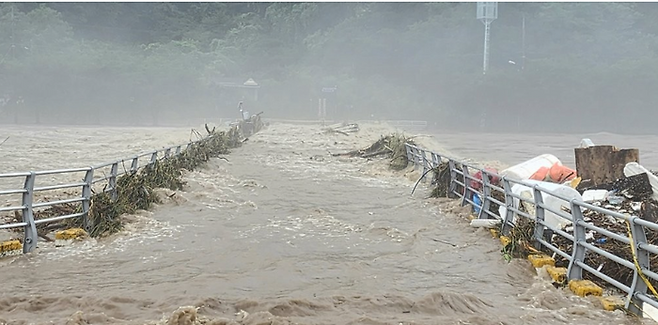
pixel 602 164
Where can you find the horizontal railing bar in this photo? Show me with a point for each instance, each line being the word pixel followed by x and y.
pixel 491 199
pixel 608 255
pixel 611 213
pixel 646 298
pixel 496 188
pixel 551 193
pixel 12 208
pixel 650 273
pixel 521 213
pixel 8 175
pixel 608 233
pixel 604 277
pixel 554 249
pixel 563 234
pixel 646 224
pixel 13 225
pixel 472 178
pixel 62 171
pixel 7 192
pixel 51 203
pixel 653 249
pixel 99 180
pixel 57 187
pixel 68 216
pixel 521 198
pixel 492 214
pixel 82 169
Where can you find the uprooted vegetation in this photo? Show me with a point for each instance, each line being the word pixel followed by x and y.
pixel 390 146
pixel 441 180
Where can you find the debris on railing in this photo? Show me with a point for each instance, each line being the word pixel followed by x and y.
pixel 44 229
pixel 135 189
pixel 632 195
pixel 633 168
pixel 622 190
pixel 521 238
pixel 441 180
pixel 623 274
pixel 612 179
pixel 342 128
pixel 391 146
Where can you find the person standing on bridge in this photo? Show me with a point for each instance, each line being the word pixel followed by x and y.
pixel 243 113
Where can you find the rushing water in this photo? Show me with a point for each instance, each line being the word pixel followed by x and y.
pixel 280 232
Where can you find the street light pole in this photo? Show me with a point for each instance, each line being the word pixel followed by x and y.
pixel 487 12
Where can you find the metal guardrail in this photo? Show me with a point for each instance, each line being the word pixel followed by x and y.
pixel 636 294
pixel 92 176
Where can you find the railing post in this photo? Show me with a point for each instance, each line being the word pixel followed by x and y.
pixel 638 286
pixel 86 195
pixel 575 271
pixel 178 149
pixel 410 156
pixel 540 213
pixel 154 158
pixel 113 180
pixel 414 153
pixel 436 161
pixel 509 204
pixel 453 178
pixel 486 194
pixel 426 163
pixel 135 164
pixel 466 193
pixel 30 238
pixel 167 153
pixel 433 159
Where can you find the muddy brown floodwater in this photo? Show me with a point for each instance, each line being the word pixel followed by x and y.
pixel 283 233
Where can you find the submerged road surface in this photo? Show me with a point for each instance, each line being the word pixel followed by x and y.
pixel 284 233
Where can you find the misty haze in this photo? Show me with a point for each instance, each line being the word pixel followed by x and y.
pixel 260 211
pixel 553 67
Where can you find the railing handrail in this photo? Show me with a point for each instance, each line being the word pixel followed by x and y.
pixel 636 293
pixel 28 190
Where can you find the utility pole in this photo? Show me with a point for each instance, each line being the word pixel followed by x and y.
pixel 523 43
pixel 487 12
pixel 13 43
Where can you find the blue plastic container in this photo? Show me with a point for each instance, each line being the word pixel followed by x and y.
pixel 477 203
